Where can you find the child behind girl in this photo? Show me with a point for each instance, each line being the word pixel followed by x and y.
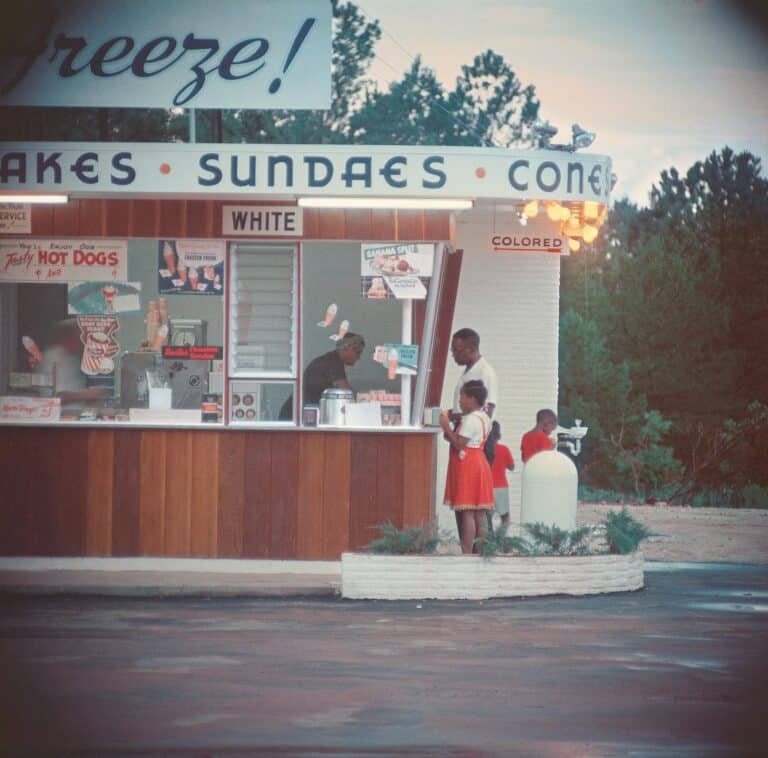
pixel 538 438
pixel 501 462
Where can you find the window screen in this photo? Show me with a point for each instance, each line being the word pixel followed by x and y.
pixel 263 310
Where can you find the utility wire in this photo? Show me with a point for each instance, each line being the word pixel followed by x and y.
pixel 433 101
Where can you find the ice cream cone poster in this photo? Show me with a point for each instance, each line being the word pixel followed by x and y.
pixel 396 271
pixel 330 315
pixel 191 267
pixel 397 359
pixel 97 333
pixel 91 298
pixel 343 329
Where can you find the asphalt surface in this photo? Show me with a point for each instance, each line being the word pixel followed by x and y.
pixel 677 669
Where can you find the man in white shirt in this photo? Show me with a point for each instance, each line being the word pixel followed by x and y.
pixel 465 348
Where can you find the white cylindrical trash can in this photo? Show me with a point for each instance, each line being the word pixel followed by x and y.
pixel 550 490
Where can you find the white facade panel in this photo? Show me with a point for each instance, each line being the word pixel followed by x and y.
pixel 512 301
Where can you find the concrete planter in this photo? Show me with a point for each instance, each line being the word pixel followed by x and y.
pixel 453 577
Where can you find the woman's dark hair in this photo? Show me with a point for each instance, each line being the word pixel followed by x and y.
pixel 476 389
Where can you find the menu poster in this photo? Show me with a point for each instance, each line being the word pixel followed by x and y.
pixel 100 346
pixel 396 259
pixel 18 408
pixel 191 267
pixel 90 298
pixel 395 271
pixel 25 260
pixel 399 359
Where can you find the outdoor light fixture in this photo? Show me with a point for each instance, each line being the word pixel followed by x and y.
pixel 35 199
pixel 579 137
pixel 394 203
pixel 589 233
pixel 531 208
pixel 574 245
pixel 591 210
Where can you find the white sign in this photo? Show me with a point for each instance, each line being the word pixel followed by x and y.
pixel 63 260
pixel 171 53
pixel 418 171
pixel 262 221
pixel 15 218
pixel 19 408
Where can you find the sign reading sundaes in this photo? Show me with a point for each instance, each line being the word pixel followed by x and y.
pixel 353 170
pixel 174 53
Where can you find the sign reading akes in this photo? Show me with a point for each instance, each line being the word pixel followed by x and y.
pixel 169 53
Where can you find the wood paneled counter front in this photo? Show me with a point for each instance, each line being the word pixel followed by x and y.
pixel 218 493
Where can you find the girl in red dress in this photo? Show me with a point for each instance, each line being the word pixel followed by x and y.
pixel 469 483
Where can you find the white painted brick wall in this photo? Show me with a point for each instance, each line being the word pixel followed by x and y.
pixel 444 577
pixel 512 301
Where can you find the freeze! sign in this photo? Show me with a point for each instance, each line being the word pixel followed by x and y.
pixel 170 53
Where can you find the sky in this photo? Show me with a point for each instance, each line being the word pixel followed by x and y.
pixel 662 82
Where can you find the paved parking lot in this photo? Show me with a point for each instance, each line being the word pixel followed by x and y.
pixel 679 668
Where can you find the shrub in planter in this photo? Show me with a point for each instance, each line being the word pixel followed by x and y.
pixel 421 540
pixel 498 542
pixel 623 533
pixel 551 540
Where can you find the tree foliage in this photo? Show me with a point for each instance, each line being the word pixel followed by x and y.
pixel 662 334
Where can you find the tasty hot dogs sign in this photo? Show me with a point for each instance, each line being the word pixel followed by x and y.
pixel 63 260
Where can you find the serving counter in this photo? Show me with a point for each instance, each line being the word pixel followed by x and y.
pixel 218 493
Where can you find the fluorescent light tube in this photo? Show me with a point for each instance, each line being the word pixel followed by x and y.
pixel 446 204
pixel 35 199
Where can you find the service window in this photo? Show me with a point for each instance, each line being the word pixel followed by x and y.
pixel 357 305
pixel 113 330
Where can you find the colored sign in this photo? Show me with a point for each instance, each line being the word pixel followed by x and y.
pixel 262 221
pixel 62 260
pixel 539 235
pixel 194 352
pixel 90 298
pixel 170 54
pixel 19 408
pixel 100 346
pixel 415 171
pixel 15 218
pixel 191 267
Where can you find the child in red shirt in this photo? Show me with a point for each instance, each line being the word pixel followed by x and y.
pixel 538 438
pixel 501 462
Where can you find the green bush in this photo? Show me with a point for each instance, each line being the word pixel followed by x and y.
pixel 411 540
pixel 623 532
pixel 498 542
pixel 551 540
pixel 590 495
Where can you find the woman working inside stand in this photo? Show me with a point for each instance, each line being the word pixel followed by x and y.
pixel 330 369
pixel 326 371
